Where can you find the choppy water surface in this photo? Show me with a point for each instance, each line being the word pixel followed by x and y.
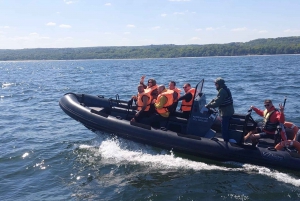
pixel 46 155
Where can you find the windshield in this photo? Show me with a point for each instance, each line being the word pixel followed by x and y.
pixel 198 92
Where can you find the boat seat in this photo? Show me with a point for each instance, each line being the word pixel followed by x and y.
pixel 237 121
pixel 99 110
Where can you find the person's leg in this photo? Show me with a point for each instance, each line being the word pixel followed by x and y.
pixel 225 127
pixel 163 121
pixel 141 116
pixel 249 135
pixel 153 120
pixel 186 114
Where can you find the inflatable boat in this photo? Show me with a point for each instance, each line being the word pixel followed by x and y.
pixel 199 135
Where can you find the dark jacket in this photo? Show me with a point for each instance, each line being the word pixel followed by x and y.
pixel 227 110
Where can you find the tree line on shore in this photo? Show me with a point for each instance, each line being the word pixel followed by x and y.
pixel 270 46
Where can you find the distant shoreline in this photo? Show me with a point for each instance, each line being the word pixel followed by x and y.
pixel 258 47
pixel 153 58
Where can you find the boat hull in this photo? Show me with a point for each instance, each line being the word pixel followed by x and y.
pixel 99 114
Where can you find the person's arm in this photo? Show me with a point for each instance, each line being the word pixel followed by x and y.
pixel 142 81
pixel 161 103
pixel 258 111
pixel 218 100
pixel 145 100
pixel 154 93
pixel 187 97
pixel 175 96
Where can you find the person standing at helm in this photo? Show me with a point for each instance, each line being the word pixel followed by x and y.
pixel 176 95
pixel 161 104
pixel 224 102
pixel 272 118
pixel 143 104
pixel 187 100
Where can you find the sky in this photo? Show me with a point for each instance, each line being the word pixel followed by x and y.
pixel 91 23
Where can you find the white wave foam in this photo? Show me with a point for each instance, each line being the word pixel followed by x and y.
pixel 119 151
pixel 279 176
pixel 25 155
pixel 5 85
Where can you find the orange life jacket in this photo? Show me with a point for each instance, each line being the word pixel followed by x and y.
pixel 149 91
pixel 169 95
pixel 178 92
pixel 140 103
pixel 187 106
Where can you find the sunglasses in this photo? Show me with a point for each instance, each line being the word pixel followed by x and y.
pixel 149 82
pixel 267 105
pixel 184 87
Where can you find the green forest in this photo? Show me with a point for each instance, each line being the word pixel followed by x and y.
pixel 270 46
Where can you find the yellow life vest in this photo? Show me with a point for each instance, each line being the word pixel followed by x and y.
pixel 169 95
pixel 268 126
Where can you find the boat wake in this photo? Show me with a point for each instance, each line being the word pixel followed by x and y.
pixel 124 152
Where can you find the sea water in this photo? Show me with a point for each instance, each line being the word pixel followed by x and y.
pixel 46 155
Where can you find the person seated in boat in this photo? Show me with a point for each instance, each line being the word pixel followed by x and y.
pixel 143 104
pixel 187 100
pixel 164 100
pixel 289 140
pixel 293 129
pixel 224 102
pixel 152 88
pixel 272 118
pixel 176 95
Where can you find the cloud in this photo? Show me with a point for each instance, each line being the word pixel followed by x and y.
pixel 69 2
pixel 210 29
pixel 178 13
pixel 130 25
pixel 195 38
pixel 4 27
pixel 65 26
pixel 107 4
pixel 163 15
pixel 262 31
pixel 34 34
pixel 126 33
pixel 155 28
pixel 179 0
pixel 198 29
pixel 51 24
pixel 291 31
pixel 239 29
